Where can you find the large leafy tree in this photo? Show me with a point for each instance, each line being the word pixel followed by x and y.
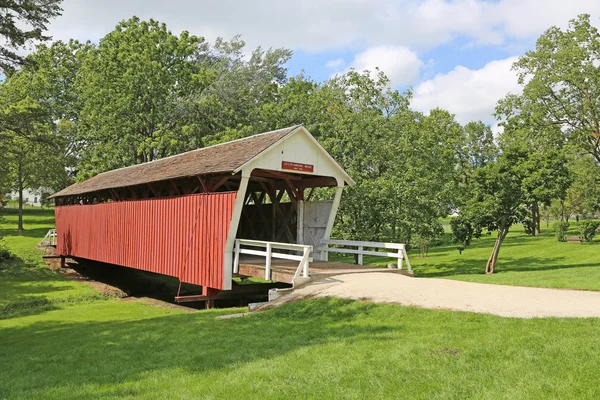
pixel 22 22
pixel 561 85
pixel 496 200
pixel 128 87
pixel 22 144
pixel 37 103
pixel 236 96
pixel 546 174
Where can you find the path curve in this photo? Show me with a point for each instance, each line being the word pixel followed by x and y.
pixel 506 301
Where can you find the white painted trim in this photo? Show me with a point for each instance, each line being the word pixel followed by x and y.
pixel 250 161
pixel 269 254
pixel 347 177
pixel 233 228
pixel 363 243
pixel 400 255
pixel 332 214
pixel 301 128
pixel 300 223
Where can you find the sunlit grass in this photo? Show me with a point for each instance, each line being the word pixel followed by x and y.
pixel 524 260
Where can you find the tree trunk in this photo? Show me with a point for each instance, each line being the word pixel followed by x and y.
pixel 20 188
pixel 491 264
pixel 537 218
pixel 533 232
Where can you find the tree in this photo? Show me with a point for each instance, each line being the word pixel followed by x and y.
pixel 583 196
pixel 480 148
pixel 561 85
pixel 32 146
pixel 496 200
pixel 128 86
pixel 22 22
pixel 545 169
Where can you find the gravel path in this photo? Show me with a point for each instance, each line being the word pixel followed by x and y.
pixel 506 301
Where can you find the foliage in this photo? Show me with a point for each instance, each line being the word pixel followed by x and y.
pixel 463 232
pixel 21 23
pixel 5 254
pixel 587 230
pixel 496 198
pixel 561 86
pixel 30 146
pixel 128 85
pixel 560 231
pixel 148 93
pixel 583 196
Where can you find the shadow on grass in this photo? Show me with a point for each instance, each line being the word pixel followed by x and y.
pixel 194 342
pixel 24 288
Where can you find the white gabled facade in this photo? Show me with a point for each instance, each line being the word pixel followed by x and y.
pixel 31 197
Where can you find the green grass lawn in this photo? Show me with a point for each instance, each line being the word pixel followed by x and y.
pixel 326 349
pixel 524 260
pixel 81 345
pixel 25 281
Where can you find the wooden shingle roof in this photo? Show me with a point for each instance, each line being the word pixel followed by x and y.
pixel 221 158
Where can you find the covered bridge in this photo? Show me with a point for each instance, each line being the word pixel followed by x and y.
pixel 199 215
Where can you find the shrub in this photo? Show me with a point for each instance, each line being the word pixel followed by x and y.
pixel 5 254
pixel 587 230
pixel 560 231
pixel 529 226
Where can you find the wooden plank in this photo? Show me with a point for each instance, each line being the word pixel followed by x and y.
pixel 365 252
pixel 361 243
pixel 216 186
pixel 204 184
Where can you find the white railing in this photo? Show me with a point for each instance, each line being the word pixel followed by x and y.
pixel 269 254
pixel 49 239
pixel 399 253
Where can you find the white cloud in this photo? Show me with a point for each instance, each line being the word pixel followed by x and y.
pixel 335 64
pixel 321 25
pixel 470 94
pixel 399 63
pixel 497 130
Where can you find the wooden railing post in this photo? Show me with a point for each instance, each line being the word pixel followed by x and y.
pixel 360 255
pixel 268 262
pixel 400 257
pixel 305 262
pixel 236 257
pixel 406 258
pixel 325 253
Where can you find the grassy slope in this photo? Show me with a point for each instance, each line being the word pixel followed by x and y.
pixel 524 260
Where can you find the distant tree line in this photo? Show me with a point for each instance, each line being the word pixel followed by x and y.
pixel 73 110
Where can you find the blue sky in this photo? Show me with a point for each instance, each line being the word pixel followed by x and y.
pixel 454 54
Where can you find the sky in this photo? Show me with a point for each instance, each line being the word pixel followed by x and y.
pixel 453 54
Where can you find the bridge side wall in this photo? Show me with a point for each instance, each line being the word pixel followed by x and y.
pixel 182 236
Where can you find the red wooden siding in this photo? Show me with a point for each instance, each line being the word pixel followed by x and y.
pixel 182 236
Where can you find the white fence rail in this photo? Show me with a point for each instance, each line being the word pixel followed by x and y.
pixel 49 239
pixel 241 247
pixel 398 250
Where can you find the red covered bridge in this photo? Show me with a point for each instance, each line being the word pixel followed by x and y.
pixel 208 214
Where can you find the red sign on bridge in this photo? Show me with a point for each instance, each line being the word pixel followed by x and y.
pixel 294 166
